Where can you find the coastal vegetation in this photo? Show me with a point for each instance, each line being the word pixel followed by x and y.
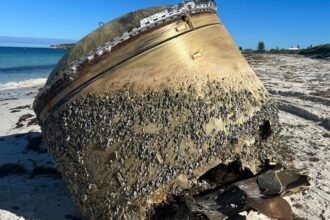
pixel 320 51
pixel 261 46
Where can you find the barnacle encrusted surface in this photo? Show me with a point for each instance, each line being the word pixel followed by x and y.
pixel 140 124
pixel 123 152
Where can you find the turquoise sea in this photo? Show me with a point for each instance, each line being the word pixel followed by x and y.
pixel 23 64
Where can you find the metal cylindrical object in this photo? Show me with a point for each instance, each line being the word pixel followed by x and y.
pixel 137 125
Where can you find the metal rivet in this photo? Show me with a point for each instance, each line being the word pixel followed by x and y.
pixel 196 55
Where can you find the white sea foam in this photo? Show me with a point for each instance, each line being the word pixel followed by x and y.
pixel 22 84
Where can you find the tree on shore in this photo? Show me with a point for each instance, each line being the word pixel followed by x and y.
pixel 261 46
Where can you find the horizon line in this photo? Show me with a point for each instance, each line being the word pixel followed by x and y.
pixel 36 38
pixel 37 42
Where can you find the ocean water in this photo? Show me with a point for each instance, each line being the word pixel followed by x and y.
pixel 21 66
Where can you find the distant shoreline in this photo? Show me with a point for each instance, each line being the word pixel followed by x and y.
pixel 61 46
pixel 35 42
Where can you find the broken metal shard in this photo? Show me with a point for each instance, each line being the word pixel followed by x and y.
pixel 252 193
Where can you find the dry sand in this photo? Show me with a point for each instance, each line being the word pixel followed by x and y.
pixel 302 88
pixel 31 188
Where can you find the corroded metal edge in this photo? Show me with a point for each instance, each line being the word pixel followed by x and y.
pixel 74 70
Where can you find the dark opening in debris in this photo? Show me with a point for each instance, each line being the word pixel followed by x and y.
pixel 177 209
pixel 223 174
pixel 226 173
pixel 265 130
pixel 242 191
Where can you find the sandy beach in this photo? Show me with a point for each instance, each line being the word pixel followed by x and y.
pixel 302 88
pixel 31 187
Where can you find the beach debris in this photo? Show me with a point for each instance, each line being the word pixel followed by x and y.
pixel 23 118
pixel 17 109
pixel 19 125
pixel 233 199
pixel 139 112
pixel 21 107
pixel 33 121
pixel 263 193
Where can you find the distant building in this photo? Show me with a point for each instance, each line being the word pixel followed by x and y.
pixel 293 48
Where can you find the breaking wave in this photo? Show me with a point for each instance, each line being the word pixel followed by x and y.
pixel 23 84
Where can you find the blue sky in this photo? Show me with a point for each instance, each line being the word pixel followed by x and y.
pixel 281 23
